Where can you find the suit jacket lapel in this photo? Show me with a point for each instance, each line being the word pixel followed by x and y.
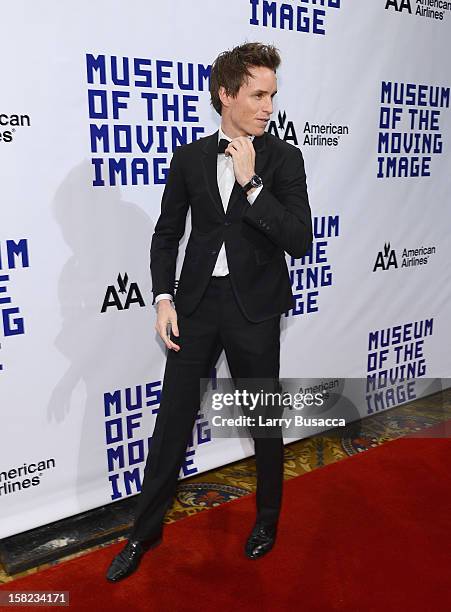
pixel 210 161
pixel 261 152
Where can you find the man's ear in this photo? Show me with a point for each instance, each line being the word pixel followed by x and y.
pixel 223 96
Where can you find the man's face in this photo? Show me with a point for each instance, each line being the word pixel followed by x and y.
pixel 249 112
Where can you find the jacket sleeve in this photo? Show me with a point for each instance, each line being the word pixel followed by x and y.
pixel 169 230
pixel 283 214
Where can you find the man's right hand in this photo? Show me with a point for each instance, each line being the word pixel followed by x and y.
pixel 167 317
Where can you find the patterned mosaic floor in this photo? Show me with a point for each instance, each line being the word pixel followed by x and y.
pixel 237 479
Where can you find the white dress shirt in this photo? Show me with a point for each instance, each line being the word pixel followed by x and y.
pixel 226 180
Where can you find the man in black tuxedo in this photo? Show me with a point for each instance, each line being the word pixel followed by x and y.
pixel 249 205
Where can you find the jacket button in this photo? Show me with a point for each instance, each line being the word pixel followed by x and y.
pixel 213 252
pixel 227 223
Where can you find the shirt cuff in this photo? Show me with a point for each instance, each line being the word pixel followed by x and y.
pixel 163 296
pixel 251 197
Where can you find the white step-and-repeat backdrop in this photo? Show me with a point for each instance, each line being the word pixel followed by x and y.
pixel 95 97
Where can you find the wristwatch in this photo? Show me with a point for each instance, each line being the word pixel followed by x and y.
pixel 256 181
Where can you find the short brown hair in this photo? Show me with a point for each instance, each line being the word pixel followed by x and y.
pixel 231 68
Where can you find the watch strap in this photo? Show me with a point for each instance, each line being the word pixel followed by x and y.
pixel 250 184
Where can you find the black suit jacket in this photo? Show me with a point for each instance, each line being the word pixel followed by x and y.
pixel 256 236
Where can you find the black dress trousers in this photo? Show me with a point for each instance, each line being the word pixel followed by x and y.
pixel 252 351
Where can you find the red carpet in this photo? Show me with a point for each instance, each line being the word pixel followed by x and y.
pixel 370 532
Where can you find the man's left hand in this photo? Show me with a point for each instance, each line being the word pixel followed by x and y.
pixel 243 156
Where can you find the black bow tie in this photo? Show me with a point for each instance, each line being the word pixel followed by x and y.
pixel 222 145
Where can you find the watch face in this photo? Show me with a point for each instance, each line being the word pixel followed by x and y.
pixel 256 181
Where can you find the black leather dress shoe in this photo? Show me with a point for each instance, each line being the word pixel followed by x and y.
pixel 260 541
pixel 127 561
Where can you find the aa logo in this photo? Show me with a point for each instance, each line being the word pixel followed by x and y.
pixel 385 259
pixel 399 5
pixel 284 130
pixel 124 296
